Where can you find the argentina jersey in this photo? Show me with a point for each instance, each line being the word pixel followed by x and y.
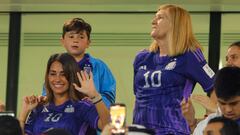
pixel 160 83
pixel 74 117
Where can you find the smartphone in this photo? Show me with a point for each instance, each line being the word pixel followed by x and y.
pixel 7 113
pixel 118 118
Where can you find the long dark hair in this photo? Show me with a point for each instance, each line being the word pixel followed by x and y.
pixel 70 69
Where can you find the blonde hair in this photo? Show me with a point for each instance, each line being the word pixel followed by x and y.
pixel 181 38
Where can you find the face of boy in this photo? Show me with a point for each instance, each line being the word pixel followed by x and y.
pixel 230 108
pixel 75 43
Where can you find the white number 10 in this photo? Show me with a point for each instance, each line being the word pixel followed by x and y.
pixel 156 83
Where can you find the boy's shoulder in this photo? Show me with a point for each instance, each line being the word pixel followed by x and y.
pixel 96 61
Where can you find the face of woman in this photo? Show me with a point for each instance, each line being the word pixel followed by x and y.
pixel 57 80
pixel 161 25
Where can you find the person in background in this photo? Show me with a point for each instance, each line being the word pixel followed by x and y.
pixel 76 39
pixel 167 72
pixel 2 106
pixel 232 59
pixel 221 126
pixel 9 125
pixel 227 88
pixel 64 107
pixel 233 54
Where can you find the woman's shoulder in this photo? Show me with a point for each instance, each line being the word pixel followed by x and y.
pixel 142 54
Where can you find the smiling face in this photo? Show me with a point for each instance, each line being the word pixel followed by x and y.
pixel 57 80
pixel 161 24
pixel 76 43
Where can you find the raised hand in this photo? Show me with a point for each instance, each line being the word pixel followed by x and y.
pixel 42 99
pixel 206 102
pixel 188 111
pixel 30 102
pixel 87 84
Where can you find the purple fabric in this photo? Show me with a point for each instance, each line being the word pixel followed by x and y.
pixel 160 83
pixel 188 89
pixel 71 116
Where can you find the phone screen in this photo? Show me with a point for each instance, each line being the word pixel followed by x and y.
pixel 118 117
pixel 7 113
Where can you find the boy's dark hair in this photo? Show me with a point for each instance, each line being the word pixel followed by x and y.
pixel 9 125
pixel 78 25
pixel 237 43
pixel 230 127
pixel 227 83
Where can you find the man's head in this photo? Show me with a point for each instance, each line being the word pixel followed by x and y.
pixel 221 126
pixel 233 55
pixel 76 37
pixel 227 86
pixel 9 126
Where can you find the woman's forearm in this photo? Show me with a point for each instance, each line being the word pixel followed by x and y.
pixel 103 112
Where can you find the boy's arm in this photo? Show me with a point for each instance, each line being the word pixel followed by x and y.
pixel 108 88
pixel 107 84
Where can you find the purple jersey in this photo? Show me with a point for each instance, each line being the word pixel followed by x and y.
pixel 74 117
pixel 160 83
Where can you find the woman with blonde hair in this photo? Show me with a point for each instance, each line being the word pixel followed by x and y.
pixel 167 72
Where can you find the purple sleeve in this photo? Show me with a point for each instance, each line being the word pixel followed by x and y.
pixel 198 70
pixel 28 128
pixel 137 61
pixel 88 112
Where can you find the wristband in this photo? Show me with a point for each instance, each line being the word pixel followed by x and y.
pixel 96 99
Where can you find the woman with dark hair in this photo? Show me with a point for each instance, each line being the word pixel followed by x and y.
pixel 65 86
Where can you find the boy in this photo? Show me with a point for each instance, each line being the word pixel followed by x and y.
pixel 227 87
pixel 76 39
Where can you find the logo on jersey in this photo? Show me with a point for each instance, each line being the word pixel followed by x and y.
pixel 208 70
pixel 87 68
pixel 144 67
pixel 171 65
pixel 45 109
pixel 69 109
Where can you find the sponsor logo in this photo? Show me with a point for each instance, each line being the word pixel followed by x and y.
pixel 45 109
pixel 144 67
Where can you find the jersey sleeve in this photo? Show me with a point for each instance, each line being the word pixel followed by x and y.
pixel 198 70
pixel 137 61
pixel 87 111
pixel 28 128
pixel 105 82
